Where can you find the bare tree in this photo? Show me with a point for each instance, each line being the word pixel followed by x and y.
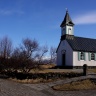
pixel 5 47
pixel 16 53
pixel 53 55
pixel 41 52
pixel 29 46
pixel 21 61
pixel 24 55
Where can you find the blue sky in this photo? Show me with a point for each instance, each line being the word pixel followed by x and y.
pixel 41 19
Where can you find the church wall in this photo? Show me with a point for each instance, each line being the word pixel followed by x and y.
pixel 76 62
pixel 59 55
pixel 64 47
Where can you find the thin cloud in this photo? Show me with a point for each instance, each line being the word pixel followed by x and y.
pixel 10 12
pixel 87 18
pixel 5 12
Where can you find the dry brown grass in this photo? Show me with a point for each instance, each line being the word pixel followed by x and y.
pixel 32 81
pixel 78 85
pixel 54 70
pixel 92 70
pixel 47 66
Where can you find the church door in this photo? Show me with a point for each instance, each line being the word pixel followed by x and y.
pixel 63 59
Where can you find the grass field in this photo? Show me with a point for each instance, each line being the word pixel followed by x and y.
pixel 46 69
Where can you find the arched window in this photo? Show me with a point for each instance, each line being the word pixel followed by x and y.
pixel 92 56
pixel 82 56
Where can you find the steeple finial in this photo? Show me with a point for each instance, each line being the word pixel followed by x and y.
pixel 66 10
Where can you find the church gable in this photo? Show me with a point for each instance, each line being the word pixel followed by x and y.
pixel 64 49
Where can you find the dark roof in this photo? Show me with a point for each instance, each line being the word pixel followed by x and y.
pixel 67 20
pixel 82 44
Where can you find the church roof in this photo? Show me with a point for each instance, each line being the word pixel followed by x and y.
pixel 67 20
pixel 82 44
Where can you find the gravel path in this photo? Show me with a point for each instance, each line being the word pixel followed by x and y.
pixel 10 88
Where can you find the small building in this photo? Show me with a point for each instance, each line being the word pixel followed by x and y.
pixel 74 51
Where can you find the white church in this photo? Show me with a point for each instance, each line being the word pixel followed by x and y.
pixel 73 51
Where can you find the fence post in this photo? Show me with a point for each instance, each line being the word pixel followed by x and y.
pixel 85 69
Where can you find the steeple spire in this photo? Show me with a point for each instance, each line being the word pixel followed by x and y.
pixel 67 20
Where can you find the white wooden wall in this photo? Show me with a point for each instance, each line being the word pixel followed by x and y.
pixel 76 62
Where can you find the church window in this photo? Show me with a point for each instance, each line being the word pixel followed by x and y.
pixel 92 56
pixel 69 28
pixel 82 56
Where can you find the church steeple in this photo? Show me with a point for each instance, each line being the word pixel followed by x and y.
pixel 67 25
pixel 67 20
